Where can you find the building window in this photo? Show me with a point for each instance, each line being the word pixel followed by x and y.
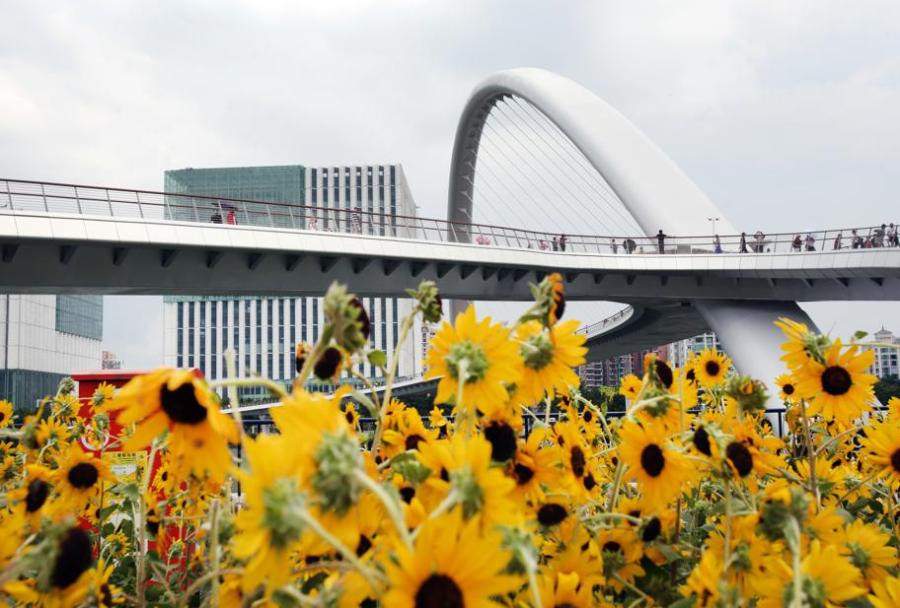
pixel 248 337
pixel 214 347
pixel 80 316
pixel 202 333
pixel 270 329
pixel 303 319
pixel 315 320
pixel 179 362
pixel 259 337
pixel 190 361
pixel 314 186
pixel 325 187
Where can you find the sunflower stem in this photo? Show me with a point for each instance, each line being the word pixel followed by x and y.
pixel 346 553
pixel 811 455
pixel 617 484
pixel 231 389
pixel 793 538
pixel 393 509
pixel 531 570
pixel 634 589
pixel 214 549
pixel 728 515
pixel 297 596
pixel 405 328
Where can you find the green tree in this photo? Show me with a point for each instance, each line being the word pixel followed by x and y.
pixel 887 387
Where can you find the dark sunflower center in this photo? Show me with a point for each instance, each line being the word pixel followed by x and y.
pixel 439 591
pixel 72 559
pixel 740 457
pixel 691 376
pixel 365 326
pixel 327 365
pixel 181 405
pixel 836 380
pixel 589 482
pixel 349 416
pixel 578 461
pixel 701 441
pixel 522 474
pixel 407 494
pixel 413 441
pixel 551 514
pixel 363 545
pixel 559 304
pixel 38 491
pixel 651 530
pixel 106 594
pixel 788 389
pixel 895 460
pixel 712 368
pixel 502 438
pixel 588 415
pixel 652 460
pixel 664 373
pixel 83 475
pixel 612 547
pixel 2 416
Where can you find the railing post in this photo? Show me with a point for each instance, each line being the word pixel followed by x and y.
pixel 269 212
pixel 78 201
pixel 140 209
pixel 196 213
pixel 44 197
pixel 109 203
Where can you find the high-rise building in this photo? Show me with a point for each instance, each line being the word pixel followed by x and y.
pixel 680 351
pixel 42 340
pixel 261 330
pixel 886 357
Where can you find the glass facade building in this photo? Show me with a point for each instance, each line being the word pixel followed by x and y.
pixel 262 331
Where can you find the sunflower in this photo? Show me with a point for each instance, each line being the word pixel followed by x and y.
pixel 838 389
pixel 35 494
pixel 561 589
pixel 661 472
pixel 535 465
pixel 6 413
pixel 105 593
pixel 51 431
pixel 703 582
pixel 181 402
pixel 621 552
pixel 350 414
pixel 574 450
pixel 631 387
pixel 788 387
pixel 405 431
pixel 79 478
pixel 868 548
pixel 801 344
pixel 882 445
pixel 557 297
pixel 829 578
pixel 886 594
pixel 548 355
pixel 453 565
pixel 270 526
pixel 711 367
pixel 483 490
pixel 893 411
pixel 482 351
pixel 66 582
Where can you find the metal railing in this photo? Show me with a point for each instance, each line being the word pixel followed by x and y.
pixel 49 197
pixel 612 320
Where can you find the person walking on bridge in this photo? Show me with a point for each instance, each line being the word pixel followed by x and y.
pixel 744 243
pixel 760 238
pixel 837 241
pixel 614 246
pixel 810 242
pixel 661 240
pixel 562 242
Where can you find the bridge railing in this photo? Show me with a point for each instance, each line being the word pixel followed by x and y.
pixel 49 197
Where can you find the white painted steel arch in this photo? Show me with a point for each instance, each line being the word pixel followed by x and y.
pixel 654 190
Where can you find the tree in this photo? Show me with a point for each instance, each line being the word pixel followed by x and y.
pixel 887 387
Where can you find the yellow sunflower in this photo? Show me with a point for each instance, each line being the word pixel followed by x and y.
pixel 703 582
pixel 535 465
pixel 840 389
pixel 882 447
pixel 893 405
pixel 886 594
pixel 830 579
pixel 661 471
pixel 34 494
pixel 453 565
pixel 561 589
pixel 105 593
pixel 180 402
pixel 711 367
pixel 483 351
pixel 788 387
pixel 51 431
pixel 270 525
pixel 869 549
pixel 79 478
pixel 549 356
pixel 630 387
pixel 6 413
pixel 66 582
pixel 800 342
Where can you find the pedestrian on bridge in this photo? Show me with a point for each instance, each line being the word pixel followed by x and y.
pixel 810 242
pixel 562 242
pixel 661 241
pixel 717 244
pixel 856 241
pixel 614 246
pixel 760 238
pixel 892 236
pixel 837 241
pixel 797 243
pixel 744 243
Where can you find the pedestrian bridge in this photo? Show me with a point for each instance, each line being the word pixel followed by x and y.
pixel 592 196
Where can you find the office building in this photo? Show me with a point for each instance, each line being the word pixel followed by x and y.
pixel 263 330
pixel 42 340
pixel 886 357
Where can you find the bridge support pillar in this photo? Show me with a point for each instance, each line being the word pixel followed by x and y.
pixel 750 338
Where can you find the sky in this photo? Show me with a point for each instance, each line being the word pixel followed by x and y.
pixel 787 114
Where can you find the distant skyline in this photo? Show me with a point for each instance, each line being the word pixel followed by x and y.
pixel 786 114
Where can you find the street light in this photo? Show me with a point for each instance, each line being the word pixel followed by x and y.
pixel 713 220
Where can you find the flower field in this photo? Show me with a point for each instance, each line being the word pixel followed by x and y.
pixel 688 499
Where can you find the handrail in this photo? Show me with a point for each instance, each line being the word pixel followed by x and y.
pixel 29 195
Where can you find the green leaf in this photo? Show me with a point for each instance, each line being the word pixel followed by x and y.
pixel 859 335
pixel 410 468
pixel 685 602
pixel 377 358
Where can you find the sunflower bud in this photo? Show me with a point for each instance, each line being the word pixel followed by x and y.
pixel 338 458
pixel 66 387
pixel 301 354
pixel 429 301
pixel 750 394
pixel 348 320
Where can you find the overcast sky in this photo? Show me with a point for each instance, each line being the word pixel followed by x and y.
pixel 786 113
